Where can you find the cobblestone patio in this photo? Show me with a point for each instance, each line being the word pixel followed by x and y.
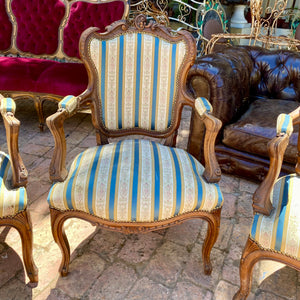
pixel 108 265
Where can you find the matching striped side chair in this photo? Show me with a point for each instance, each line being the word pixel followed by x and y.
pixel 137 88
pixel 13 179
pixel 275 230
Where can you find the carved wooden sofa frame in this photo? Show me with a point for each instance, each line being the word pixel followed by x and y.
pixel 39 55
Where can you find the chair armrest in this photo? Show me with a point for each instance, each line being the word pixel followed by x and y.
pixel 66 108
pixel 212 172
pixel 12 127
pixel 276 147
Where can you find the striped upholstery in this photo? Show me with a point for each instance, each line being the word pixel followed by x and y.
pixel 202 105
pixel 11 201
pixel 281 230
pixel 284 124
pixel 135 180
pixel 138 79
pixel 69 103
pixel 7 105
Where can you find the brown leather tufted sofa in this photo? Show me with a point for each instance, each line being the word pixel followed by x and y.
pixel 248 88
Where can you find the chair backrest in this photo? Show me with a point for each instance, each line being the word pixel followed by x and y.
pixel 137 76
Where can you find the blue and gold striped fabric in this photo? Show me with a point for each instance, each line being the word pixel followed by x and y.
pixel 138 79
pixel 202 105
pixel 135 180
pixel 281 230
pixel 284 124
pixel 7 105
pixel 11 201
pixel 69 103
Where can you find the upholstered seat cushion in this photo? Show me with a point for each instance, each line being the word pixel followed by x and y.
pixel 21 74
pixel 135 180
pixel 257 127
pixel 12 201
pixel 42 76
pixel 62 79
pixel 281 230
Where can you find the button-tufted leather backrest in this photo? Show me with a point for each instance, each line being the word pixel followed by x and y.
pixel 5 28
pixel 275 74
pixel 84 15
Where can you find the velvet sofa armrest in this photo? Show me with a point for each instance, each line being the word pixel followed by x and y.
pixel 12 127
pixel 223 78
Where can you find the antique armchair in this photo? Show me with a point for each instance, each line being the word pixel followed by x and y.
pixel 275 230
pixel 137 75
pixel 13 179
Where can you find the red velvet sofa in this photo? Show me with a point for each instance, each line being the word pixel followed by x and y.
pixel 39 56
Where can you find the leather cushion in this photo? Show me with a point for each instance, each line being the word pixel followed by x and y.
pixel 275 73
pixel 252 132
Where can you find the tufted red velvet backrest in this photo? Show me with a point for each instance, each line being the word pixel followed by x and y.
pixel 5 27
pixel 38 22
pixel 84 15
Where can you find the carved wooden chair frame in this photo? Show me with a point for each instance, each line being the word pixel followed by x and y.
pixel 254 252
pixel 20 221
pixel 55 122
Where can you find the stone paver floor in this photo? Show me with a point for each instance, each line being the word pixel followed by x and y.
pixel 106 265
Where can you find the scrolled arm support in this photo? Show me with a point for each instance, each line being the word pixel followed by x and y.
pixel 276 148
pixel 12 127
pixel 203 108
pixel 57 169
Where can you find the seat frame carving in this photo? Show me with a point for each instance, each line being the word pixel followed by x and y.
pixel 58 171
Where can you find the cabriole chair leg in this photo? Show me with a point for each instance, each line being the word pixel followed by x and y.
pixel 57 221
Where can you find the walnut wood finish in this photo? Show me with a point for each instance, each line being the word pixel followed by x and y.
pixel 58 170
pixel 12 127
pixel 261 204
pixel 251 255
pixel 59 217
pixel 276 147
pixel 21 221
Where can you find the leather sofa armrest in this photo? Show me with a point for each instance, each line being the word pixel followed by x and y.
pixel 223 78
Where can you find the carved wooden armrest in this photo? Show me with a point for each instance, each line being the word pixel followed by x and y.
pixel 12 127
pixel 276 147
pixel 212 171
pixel 66 108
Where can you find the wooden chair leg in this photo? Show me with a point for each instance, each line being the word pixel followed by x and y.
pixel 38 104
pixel 22 223
pixel 57 221
pixel 251 255
pixel 213 220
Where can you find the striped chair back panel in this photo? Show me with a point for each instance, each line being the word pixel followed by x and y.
pixel 137 74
